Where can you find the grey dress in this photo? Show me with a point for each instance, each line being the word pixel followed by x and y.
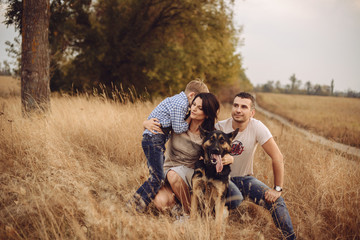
pixel 182 152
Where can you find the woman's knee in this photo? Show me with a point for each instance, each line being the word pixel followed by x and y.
pixel 173 178
pixel 164 200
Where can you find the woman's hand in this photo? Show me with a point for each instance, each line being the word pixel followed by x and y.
pixel 227 159
pixel 153 125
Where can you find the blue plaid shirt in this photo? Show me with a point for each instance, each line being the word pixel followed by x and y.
pixel 171 112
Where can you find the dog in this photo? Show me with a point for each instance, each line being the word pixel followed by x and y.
pixel 210 180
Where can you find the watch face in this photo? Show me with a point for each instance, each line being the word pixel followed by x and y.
pixel 277 188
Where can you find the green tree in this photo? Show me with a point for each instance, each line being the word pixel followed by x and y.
pixel 153 45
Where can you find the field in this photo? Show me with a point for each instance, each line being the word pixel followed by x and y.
pixel 9 86
pixel 68 175
pixel 332 117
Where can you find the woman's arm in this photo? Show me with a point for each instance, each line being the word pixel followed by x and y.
pixel 153 125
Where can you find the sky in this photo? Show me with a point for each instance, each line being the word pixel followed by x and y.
pixel 317 40
pixel 6 34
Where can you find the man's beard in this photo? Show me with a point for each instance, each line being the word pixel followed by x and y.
pixel 238 120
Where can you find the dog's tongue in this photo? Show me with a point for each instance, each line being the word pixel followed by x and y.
pixel 219 165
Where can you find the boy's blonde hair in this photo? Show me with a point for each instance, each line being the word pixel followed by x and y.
pixel 197 86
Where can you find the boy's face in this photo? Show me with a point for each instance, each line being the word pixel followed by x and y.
pixel 190 97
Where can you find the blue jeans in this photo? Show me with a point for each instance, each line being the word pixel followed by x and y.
pixel 154 148
pixel 254 189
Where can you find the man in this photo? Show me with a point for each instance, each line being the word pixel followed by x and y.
pixel 252 132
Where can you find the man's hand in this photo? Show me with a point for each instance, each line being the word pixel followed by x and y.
pixel 227 159
pixel 272 195
pixel 153 125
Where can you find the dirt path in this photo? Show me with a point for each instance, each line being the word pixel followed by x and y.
pixel 311 136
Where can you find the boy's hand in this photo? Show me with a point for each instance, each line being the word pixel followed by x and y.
pixel 227 159
pixel 153 125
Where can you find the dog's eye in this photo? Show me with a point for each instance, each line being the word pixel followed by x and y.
pixel 221 140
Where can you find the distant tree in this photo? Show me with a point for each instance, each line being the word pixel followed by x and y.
pixel 268 87
pixel 308 87
pixel 332 87
pixel 317 89
pixel 353 94
pixel 35 60
pixel 14 52
pixel 278 86
pixel 295 83
pixel 5 70
pixel 288 88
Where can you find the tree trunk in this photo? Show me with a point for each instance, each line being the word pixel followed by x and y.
pixel 35 56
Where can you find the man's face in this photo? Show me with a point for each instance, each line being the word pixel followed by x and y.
pixel 241 110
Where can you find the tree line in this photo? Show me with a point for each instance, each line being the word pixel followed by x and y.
pixel 5 69
pixel 296 87
pixel 151 46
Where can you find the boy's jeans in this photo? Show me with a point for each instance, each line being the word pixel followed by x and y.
pixel 251 187
pixel 154 148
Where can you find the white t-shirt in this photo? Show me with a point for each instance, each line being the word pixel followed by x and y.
pixel 244 145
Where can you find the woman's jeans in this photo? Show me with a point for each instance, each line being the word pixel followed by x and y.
pixel 154 148
pixel 254 189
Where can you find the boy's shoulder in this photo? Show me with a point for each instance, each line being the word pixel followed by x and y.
pixel 179 99
pixel 180 95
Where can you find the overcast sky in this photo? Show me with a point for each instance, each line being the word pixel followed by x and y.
pixel 317 40
pixel 6 34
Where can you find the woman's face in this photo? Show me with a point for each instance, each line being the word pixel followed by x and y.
pixel 196 110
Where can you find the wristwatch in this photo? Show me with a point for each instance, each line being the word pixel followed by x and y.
pixel 278 188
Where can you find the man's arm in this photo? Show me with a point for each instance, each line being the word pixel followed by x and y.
pixel 272 149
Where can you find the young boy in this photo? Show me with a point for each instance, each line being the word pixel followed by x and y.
pixel 171 114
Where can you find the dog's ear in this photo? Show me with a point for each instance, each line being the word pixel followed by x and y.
pixel 203 132
pixel 233 134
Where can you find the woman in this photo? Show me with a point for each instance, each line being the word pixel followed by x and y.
pixel 184 150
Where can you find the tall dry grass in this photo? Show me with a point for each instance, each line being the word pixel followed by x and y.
pixel 336 118
pixel 69 174
pixel 9 86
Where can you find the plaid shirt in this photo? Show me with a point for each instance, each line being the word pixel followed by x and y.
pixel 171 112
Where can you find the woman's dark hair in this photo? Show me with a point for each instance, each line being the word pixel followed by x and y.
pixel 210 107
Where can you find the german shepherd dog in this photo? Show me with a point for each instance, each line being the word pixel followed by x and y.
pixel 211 178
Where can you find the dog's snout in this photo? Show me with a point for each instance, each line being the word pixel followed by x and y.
pixel 215 150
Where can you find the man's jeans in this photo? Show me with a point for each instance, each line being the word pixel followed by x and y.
pixel 154 148
pixel 254 189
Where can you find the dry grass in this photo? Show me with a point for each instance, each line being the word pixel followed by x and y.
pixel 9 86
pixel 69 174
pixel 332 117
